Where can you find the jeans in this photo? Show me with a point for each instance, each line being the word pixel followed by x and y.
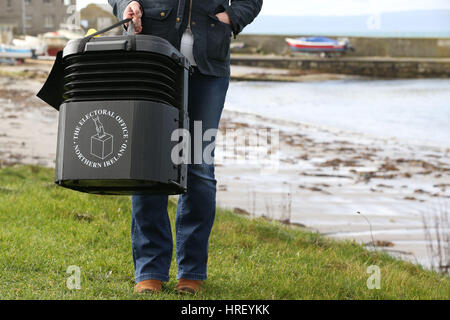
pixel 151 234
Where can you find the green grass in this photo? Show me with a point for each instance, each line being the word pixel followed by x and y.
pixel 44 229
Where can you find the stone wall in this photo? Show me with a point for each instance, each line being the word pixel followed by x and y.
pixel 364 47
pixel 376 67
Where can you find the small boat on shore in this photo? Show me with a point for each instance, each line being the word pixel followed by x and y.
pixel 13 52
pixel 35 44
pixel 57 40
pixel 318 45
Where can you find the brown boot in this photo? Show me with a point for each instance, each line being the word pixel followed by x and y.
pixel 189 286
pixel 148 286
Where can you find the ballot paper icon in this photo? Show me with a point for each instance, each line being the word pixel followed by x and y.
pixel 101 143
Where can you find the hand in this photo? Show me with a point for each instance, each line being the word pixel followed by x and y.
pixel 223 17
pixel 133 10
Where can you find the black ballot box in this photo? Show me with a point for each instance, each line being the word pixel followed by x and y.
pixel 123 97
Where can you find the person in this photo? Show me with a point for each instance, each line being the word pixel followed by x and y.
pixel 201 30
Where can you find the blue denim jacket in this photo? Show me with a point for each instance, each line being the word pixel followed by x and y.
pixel 212 38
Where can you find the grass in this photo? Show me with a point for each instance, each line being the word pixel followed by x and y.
pixel 44 229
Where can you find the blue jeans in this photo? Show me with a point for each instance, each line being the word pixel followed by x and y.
pixel 151 234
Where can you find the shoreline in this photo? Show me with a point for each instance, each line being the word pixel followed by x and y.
pixel 327 187
pixel 325 175
pixel 279 122
pixel 252 73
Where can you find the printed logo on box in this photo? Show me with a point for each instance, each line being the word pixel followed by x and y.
pixel 100 138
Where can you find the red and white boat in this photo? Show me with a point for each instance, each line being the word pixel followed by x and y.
pixel 57 40
pixel 318 44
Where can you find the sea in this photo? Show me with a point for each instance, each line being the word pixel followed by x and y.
pixel 413 111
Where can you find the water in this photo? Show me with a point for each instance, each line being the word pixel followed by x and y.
pixel 415 111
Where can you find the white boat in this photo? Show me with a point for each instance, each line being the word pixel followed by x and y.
pixel 13 52
pixel 35 44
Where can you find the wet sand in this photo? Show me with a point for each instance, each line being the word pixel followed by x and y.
pixel 325 176
pixel 29 127
pixel 248 73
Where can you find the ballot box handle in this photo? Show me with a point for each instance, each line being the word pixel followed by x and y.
pixel 85 40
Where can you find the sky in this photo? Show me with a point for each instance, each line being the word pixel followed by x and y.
pixel 334 7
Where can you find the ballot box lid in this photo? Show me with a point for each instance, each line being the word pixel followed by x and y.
pixel 138 43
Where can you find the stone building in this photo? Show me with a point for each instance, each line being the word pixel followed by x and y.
pixel 40 16
pixel 98 16
pixel 6 33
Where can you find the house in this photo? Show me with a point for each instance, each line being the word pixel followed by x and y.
pixel 33 17
pixel 98 16
pixel 6 33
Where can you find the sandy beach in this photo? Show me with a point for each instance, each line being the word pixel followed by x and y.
pixel 324 176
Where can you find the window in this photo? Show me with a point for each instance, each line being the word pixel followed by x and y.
pixel 103 22
pixel 27 2
pixel 49 21
pixel 9 3
pixel 28 22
